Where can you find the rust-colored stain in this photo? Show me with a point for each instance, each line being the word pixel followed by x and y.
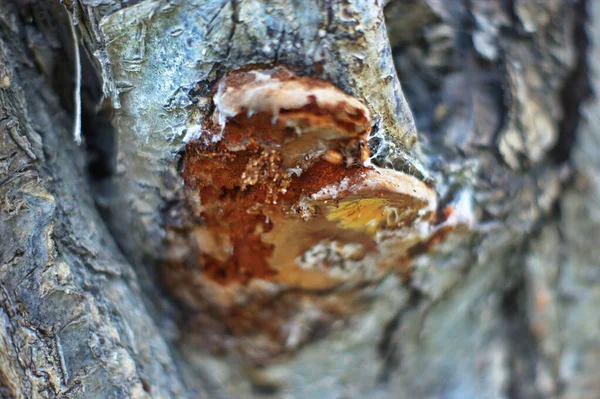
pixel 286 205
pixel 273 144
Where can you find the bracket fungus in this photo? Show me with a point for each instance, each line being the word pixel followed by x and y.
pixel 282 170
pixel 285 196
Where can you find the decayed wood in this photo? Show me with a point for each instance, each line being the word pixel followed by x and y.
pixel 165 82
pixel 162 78
pixel 288 205
pixel 501 308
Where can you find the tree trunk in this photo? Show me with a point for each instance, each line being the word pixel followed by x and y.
pixel 480 115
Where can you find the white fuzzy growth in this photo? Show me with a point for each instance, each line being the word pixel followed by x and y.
pixel 332 191
pixel 335 257
pixel 382 148
pixel 304 209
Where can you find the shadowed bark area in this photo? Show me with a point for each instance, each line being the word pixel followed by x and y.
pixel 72 321
pixel 501 305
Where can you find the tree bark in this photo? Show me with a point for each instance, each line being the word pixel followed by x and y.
pixel 502 305
pixel 73 320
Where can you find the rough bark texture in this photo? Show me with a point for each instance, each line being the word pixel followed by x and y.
pixel 505 309
pixel 72 321
pixel 163 59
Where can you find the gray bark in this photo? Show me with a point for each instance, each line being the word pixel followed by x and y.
pixel 72 320
pixel 503 309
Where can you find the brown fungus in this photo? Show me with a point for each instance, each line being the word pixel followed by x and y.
pixel 285 167
pixel 285 197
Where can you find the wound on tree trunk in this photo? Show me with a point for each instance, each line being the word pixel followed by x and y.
pixel 285 197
